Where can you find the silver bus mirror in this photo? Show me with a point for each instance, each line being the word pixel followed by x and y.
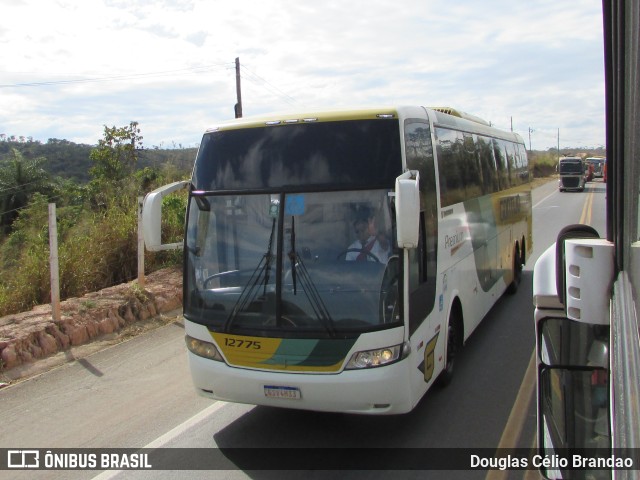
pixel 408 209
pixel 152 217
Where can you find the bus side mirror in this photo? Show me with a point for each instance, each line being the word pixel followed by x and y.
pixel 571 291
pixel 152 217
pixel 408 209
pixel 573 389
pixel 584 274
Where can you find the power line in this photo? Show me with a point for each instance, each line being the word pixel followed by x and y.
pixel 258 80
pixel 16 187
pixel 50 199
pixel 109 78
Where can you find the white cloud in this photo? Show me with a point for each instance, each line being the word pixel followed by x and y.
pixel 169 64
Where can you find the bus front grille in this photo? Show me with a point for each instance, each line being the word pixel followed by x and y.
pixel 570 182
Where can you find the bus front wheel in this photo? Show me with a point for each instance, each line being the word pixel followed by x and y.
pixel 454 345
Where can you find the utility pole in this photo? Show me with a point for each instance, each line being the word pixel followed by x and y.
pixel 530 131
pixel 238 106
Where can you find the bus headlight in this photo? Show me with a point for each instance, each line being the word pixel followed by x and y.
pixel 203 349
pixel 378 357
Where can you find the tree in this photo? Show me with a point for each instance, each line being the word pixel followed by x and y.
pixel 114 162
pixel 19 180
pixel 116 156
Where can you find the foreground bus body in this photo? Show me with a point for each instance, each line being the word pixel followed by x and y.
pixel 283 307
pixel 584 287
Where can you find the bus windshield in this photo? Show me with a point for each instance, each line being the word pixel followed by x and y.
pixel 312 264
pixel 289 229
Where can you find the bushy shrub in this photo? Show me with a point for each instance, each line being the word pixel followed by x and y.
pixel 25 257
pixel 543 169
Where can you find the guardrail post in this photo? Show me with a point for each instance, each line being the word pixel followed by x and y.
pixel 141 278
pixel 53 263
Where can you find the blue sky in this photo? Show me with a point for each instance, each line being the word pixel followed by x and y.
pixel 69 67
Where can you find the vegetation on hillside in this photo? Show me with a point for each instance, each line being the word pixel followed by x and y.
pixel 95 189
pixel 72 160
pixel 96 220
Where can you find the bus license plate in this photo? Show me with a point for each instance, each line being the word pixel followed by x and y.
pixel 290 393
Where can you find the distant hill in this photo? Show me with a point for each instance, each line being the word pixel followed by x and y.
pixel 71 160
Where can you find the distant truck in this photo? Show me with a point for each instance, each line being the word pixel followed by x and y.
pixel 572 173
pixel 598 166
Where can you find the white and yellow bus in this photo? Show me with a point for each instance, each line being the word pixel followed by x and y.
pixel 337 261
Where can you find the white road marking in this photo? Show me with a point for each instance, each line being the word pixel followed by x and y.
pixel 171 434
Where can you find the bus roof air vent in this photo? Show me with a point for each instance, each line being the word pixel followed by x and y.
pixel 460 114
pixel 447 110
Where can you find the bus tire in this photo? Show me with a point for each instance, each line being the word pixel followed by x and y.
pixel 517 271
pixel 454 345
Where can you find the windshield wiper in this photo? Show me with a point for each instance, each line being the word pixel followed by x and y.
pixel 260 277
pixel 308 287
pixel 293 254
pixel 262 270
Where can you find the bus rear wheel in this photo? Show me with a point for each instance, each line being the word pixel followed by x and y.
pixel 517 272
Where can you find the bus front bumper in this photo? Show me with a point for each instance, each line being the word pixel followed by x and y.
pixel 375 391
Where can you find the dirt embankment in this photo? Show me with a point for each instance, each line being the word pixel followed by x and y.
pixel 30 336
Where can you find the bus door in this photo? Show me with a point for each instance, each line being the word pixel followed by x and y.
pixel 570 291
pixel 425 336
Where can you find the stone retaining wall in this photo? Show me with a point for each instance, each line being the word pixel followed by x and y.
pixel 32 335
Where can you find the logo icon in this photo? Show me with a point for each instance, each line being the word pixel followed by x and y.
pixel 23 459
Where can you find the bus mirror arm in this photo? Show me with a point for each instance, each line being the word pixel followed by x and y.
pixel 407 209
pixel 152 217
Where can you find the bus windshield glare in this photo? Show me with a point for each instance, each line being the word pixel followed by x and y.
pixel 335 155
pixel 282 255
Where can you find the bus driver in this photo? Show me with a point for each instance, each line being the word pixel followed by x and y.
pixel 370 245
